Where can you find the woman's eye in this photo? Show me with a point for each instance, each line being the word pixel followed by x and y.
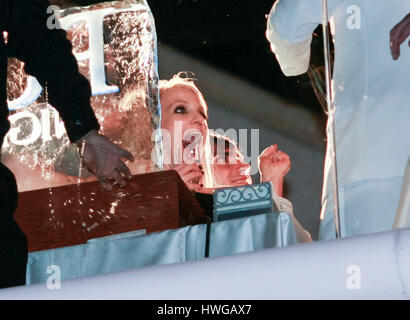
pixel 180 109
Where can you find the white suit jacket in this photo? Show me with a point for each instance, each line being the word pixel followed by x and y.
pixel 371 90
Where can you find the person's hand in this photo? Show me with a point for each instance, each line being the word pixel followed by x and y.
pixel 103 159
pixel 273 162
pixel 191 174
pixel 398 35
pixel 273 166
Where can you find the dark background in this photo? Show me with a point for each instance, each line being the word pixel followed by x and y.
pixel 229 34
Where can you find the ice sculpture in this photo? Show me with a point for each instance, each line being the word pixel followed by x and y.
pixel 115 46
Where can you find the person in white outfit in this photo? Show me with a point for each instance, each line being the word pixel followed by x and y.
pixel 372 100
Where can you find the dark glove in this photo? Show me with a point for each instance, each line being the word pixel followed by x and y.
pixel 103 158
pixel 398 35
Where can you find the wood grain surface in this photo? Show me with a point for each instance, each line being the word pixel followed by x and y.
pixel 73 214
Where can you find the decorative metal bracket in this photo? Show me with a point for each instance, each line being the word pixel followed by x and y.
pixel 243 201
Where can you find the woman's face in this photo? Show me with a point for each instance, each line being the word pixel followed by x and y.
pixel 184 117
pixel 230 170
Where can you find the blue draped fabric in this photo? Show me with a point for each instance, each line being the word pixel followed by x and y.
pixel 128 251
pixel 367 206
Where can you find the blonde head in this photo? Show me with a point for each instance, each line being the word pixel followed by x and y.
pixel 181 79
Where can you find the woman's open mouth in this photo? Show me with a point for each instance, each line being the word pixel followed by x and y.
pixel 191 141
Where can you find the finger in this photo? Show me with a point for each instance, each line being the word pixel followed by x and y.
pixel 195 167
pixel 193 186
pixel 192 173
pixel 123 168
pixel 400 28
pixel 183 169
pixel 122 153
pixel 269 151
pixel 285 157
pixel 105 183
pixel 395 49
pixel 279 152
pixel 277 155
pixel 175 167
pixel 394 43
pixel 192 176
pixel 116 175
pixel 398 35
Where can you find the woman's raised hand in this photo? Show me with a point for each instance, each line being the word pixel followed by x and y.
pixel 191 174
pixel 274 164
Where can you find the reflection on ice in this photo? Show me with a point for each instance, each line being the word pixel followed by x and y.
pixel 115 46
pixel 37 149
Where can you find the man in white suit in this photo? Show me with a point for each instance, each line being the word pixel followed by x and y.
pixel 372 100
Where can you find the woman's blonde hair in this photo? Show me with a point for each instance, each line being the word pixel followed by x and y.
pixel 180 79
pixel 183 79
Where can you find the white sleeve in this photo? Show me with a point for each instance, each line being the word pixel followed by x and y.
pixel 285 205
pixel 289 31
pixel 301 233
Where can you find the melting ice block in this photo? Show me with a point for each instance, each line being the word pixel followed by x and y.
pixel 115 46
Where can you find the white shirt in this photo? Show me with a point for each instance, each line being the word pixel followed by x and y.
pixel 372 91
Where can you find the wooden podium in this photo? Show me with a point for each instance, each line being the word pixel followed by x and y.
pixel 73 214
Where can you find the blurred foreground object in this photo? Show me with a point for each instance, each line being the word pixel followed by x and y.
pixel 403 211
pixel 371 100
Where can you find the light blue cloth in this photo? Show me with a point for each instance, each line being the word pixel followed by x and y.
pixel 365 207
pixel 171 246
pixel 371 97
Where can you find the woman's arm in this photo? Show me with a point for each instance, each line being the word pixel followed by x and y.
pixel 274 164
pixel 285 205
